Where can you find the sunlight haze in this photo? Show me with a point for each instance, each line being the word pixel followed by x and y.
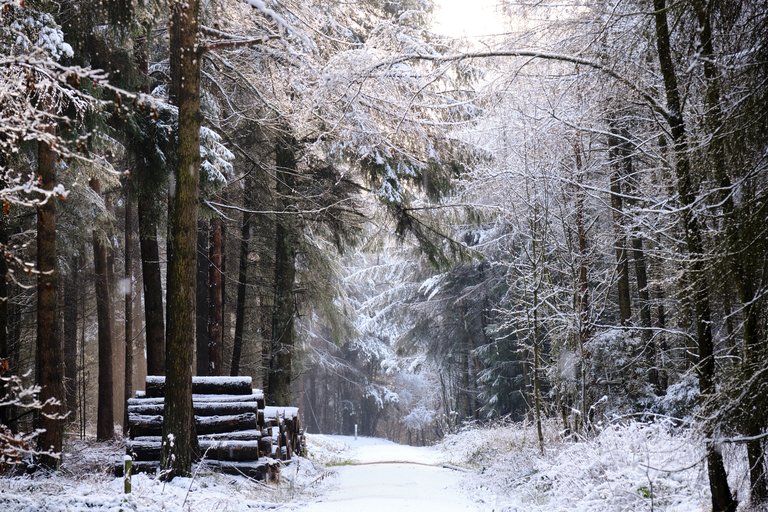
pixel 458 18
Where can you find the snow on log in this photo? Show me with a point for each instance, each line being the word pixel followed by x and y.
pixel 145 425
pixel 241 435
pixel 265 446
pixel 152 425
pixel 155 386
pixel 200 408
pixel 231 421
pixel 218 424
pixel 197 398
pixel 263 469
pixel 280 412
pixel 211 449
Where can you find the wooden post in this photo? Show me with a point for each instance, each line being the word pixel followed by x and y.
pixel 127 467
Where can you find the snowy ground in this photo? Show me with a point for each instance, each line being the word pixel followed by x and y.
pixel 633 467
pixel 375 475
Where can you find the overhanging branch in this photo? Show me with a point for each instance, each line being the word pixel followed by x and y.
pixel 535 54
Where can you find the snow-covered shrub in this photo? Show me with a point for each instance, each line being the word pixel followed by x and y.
pixel 681 398
pixel 631 466
pixel 24 30
pixel 420 418
pixel 215 160
pixel 483 446
pixel 17 449
pixel 618 370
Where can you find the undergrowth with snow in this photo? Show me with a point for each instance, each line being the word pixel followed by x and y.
pixel 85 483
pixel 627 466
pixel 631 466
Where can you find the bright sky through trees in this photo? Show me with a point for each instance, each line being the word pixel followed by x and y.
pixel 459 18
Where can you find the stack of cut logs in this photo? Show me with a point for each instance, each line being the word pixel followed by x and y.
pixel 236 433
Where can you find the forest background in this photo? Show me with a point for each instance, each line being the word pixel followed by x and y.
pixel 390 228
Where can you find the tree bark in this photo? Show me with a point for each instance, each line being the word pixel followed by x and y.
pixel 49 352
pixel 202 299
pixel 5 353
pixel 128 304
pixel 105 422
pixel 242 283
pixel 71 310
pixel 582 294
pixel 185 57
pixel 722 499
pixel 462 362
pixel 148 211
pixel 216 299
pixel 285 274
pixel 153 287
pixel 537 367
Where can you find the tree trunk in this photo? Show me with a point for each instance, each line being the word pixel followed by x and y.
pixel 148 197
pixel 128 304
pixel 264 246
pixel 5 352
pixel 265 323
pixel 641 276
pixel 185 58
pixel 223 270
pixel 14 349
pixel 216 300
pixel 49 352
pixel 582 299
pixel 71 310
pixel 462 391
pixel 617 207
pixel 623 154
pixel 242 284
pixel 105 422
pixel 82 395
pixel 202 298
pixel 153 287
pixel 537 368
pixel 722 499
pixel 739 255
pixel 285 274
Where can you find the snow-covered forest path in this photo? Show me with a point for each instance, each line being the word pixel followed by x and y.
pixel 378 475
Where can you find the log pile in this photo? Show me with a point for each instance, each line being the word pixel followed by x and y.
pixel 236 433
pixel 287 434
